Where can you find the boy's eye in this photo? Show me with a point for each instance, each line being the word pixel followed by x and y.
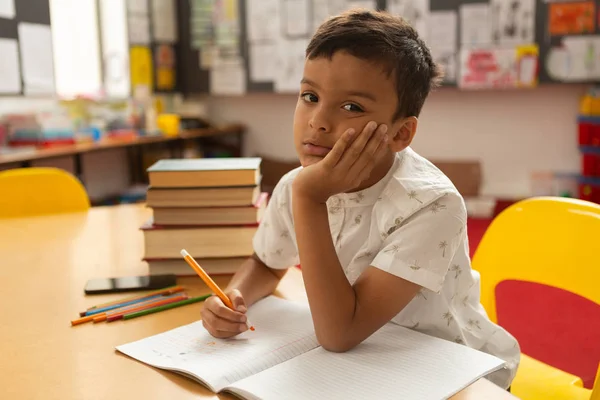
pixel 353 108
pixel 309 97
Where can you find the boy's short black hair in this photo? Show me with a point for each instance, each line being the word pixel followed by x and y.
pixel 385 39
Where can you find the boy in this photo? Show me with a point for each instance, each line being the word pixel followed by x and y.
pixel 379 231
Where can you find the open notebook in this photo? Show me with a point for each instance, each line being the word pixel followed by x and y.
pixel 282 359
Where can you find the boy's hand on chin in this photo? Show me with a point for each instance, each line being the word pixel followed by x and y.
pixel 345 167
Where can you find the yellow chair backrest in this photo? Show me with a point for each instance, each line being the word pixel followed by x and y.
pixel 39 191
pixel 548 240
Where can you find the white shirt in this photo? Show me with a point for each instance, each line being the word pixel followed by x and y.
pixel 412 224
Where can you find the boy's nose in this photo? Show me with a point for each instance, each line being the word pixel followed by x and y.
pixel 320 122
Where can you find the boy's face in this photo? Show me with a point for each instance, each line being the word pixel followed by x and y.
pixel 338 94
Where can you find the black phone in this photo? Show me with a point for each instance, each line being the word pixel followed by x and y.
pixel 129 283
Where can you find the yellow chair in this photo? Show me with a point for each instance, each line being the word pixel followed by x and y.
pixel 28 192
pixel 543 240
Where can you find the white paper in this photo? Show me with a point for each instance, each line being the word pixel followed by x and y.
pixel 416 12
pixel 262 62
pixel 137 6
pixel 393 363
pixel 366 4
pixel 207 54
pixel 7 9
pixel 488 68
pixel 513 21
pixel 10 73
pixel 295 17
pixel 443 29
pixel 290 65
pixel 164 21
pixel 446 56
pixel 320 12
pixel 139 29
pixel 475 24
pixel 227 76
pixel 263 20
pixel 283 330
pixel 35 45
pixel 576 60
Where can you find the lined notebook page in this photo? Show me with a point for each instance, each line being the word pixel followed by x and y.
pixel 284 330
pixel 394 363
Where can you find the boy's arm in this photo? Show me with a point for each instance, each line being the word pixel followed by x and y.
pixel 343 315
pixel 255 280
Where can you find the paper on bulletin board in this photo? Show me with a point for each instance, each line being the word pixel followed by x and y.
pixel 207 54
pixel 475 25
pixel 7 9
pixel 164 56
pixel 227 26
pixel 202 27
pixel 227 77
pixel 262 65
pixel 446 57
pixel 295 18
pixel 527 65
pixel 164 20
pixel 513 22
pixel 443 29
pixel 140 59
pixel 576 60
pixel 320 12
pixel 497 68
pixel 571 18
pixel 37 59
pixel 139 29
pixel 365 4
pixel 10 71
pixel 137 6
pixel 414 11
pixel 290 65
pixel 263 19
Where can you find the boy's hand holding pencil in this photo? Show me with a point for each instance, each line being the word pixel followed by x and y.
pixel 223 315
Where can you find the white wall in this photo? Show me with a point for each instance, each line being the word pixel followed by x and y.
pixel 513 133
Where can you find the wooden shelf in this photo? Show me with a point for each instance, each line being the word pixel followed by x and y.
pixel 80 148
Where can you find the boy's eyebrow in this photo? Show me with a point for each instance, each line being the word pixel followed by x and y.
pixel 355 93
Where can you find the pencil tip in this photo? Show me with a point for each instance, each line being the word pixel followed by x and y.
pixel 184 253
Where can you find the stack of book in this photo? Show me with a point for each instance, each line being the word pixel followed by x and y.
pixel 211 207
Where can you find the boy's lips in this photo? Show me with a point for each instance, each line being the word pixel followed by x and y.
pixel 315 150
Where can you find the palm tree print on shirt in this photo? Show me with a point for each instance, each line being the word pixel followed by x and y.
pixel 436 207
pixel 448 317
pixel 413 196
pixel 358 219
pixel 415 266
pixel 473 323
pixel 457 270
pixel 443 245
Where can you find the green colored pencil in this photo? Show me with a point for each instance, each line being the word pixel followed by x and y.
pixel 165 307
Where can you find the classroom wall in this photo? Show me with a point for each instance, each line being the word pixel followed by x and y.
pixel 513 133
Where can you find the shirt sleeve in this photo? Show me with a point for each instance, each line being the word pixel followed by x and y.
pixel 421 249
pixel 274 242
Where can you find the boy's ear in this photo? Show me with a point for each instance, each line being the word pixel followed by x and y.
pixel 403 134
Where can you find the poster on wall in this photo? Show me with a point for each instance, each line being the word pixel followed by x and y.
pixel 576 59
pixel 499 68
pixel 164 60
pixel 513 21
pixel 571 18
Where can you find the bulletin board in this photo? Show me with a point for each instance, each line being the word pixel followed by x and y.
pixel 153 44
pixel 232 47
pixel 27 66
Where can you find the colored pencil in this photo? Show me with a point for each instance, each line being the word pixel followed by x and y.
pixel 134 301
pixel 119 315
pixel 165 307
pixel 135 306
pixel 210 283
pixel 83 320
pixel 170 289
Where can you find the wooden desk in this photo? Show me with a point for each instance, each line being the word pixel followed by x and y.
pixel 44 264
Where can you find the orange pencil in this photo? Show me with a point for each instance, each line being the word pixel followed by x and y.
pixel 83 320
pixel 210 283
